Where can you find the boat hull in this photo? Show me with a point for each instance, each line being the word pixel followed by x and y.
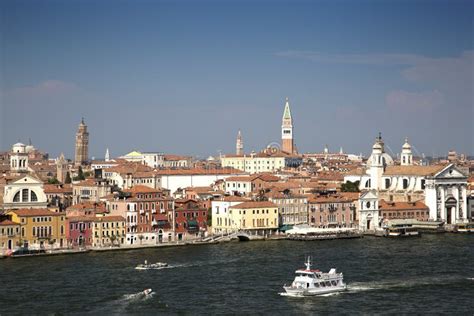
pixel 313 291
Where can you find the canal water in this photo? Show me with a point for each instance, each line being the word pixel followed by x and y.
pixel 428 275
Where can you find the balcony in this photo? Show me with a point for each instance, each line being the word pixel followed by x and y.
pixel 153 211
pixel 133 224
pixel 142 212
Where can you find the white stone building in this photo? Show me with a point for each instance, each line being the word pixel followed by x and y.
pixel 24 192
pixel 443 188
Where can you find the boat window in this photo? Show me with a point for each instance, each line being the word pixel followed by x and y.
pixel 333 282
pixel 322 284
pixel 328 283
pixel 316 284
pixel 307 284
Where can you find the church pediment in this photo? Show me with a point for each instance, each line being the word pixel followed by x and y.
pixel 371 194
pixel 27 179
pixel 449 172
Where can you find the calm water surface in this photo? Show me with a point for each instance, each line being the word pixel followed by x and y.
pixel 427 275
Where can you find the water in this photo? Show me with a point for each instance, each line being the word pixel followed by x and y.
pixel 427 275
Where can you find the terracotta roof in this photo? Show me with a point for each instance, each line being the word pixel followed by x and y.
pixel 129 167
pixel 195 171
pixel 97 207
pixel 388 206
pixel 175 157
pixel 74 219
pixel 335 198
pixel 114 218
pixel 54 188
pixel 200 189
pixel 35 212
pixel 254 204
pixel 142 189
pixel 233 198
pixel 241 179
pixel 8 222
pixel 413 170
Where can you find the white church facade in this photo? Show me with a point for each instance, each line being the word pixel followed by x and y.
pixel 443 188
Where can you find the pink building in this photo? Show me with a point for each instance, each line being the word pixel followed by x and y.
pixel 79 231
pixel 338 210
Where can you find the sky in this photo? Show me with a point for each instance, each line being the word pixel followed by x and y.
pixel 184 76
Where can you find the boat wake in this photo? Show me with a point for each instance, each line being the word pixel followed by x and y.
pixel 392 284
pixel 140 296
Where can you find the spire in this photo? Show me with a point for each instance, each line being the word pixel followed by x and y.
pixel 287 112
pixel 107 155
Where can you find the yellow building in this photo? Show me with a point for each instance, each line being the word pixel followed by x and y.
pixel 108 231
pixel 256 162
pixel 9 236
pixel 40 228
pixel 257 217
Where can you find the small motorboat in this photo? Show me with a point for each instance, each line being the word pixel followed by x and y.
pixel 149 266
pixel 147 292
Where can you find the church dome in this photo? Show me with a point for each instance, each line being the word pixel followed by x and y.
pixel 19 148
pixel 406 145
pixel 377 145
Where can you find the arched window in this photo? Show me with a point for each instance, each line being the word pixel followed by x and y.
pixel 24 195
pixel 16 198
pixel 404 159
pixel 34 198
pixel 367 184
pixel 387 183
pixel 405 183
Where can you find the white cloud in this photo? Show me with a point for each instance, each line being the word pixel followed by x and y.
pixel 45 89
pixel 405 101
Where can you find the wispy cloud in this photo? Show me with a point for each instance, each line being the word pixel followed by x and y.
pixel 45 88
pixel 368 59
pixel 448 78
pixel 414 101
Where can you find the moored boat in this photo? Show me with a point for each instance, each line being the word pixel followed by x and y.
pixel 309 282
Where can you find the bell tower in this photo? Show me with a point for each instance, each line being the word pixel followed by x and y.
pixel 407 155
pixel 287 144
pixel 239 144
pixel 82 144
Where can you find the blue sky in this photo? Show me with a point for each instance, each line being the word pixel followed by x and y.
pixel 183 76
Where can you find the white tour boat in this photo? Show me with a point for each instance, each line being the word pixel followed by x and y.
pixel 314 282
pixel 149 266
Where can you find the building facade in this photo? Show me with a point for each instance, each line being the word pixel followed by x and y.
pixel 40 228
pixel 259 218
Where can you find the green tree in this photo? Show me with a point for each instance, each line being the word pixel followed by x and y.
pixel 350 186
pixel 68 178
pixel 80 174
pixel 53 181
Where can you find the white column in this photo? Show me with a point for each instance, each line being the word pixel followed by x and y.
pixel 465 210
pixel 456 195
pixel 443 207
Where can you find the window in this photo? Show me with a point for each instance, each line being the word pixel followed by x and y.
pixel 405 183
pixel 24 195
pixel 387 183
pixel 16 198
pixel 34 198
